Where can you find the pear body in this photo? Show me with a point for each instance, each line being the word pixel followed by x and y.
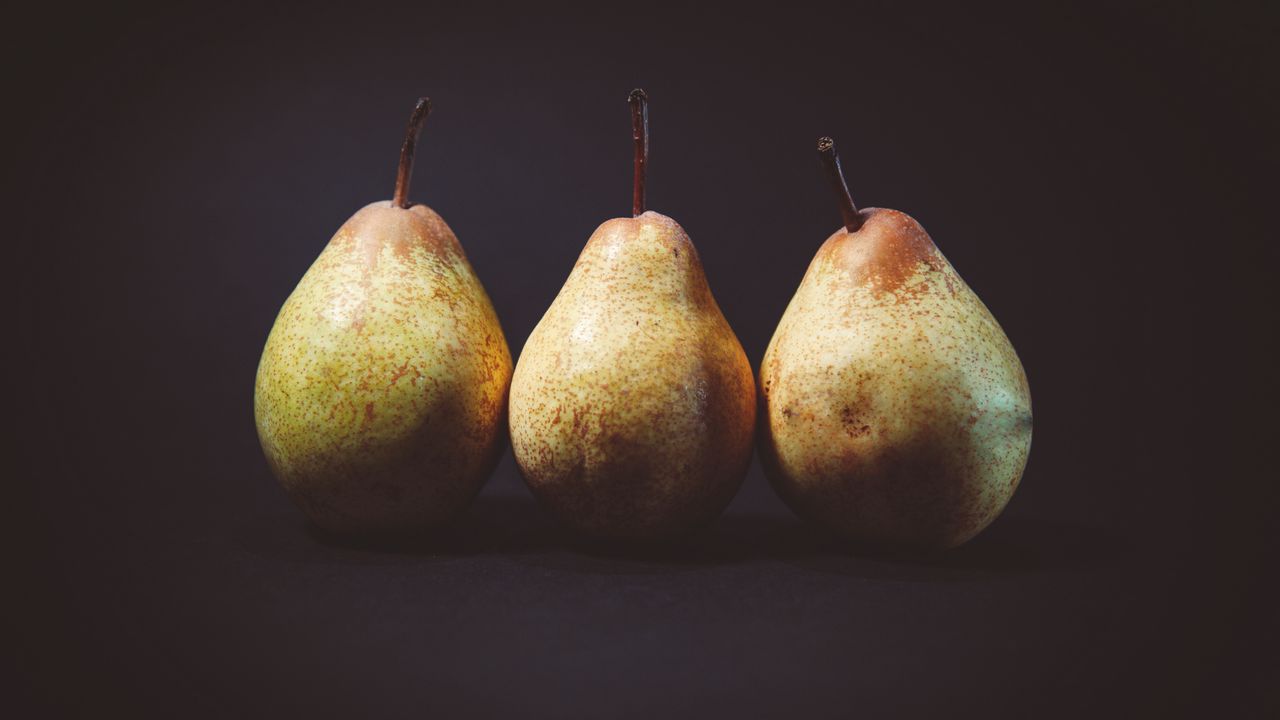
pixel 381 394
pixel 633 403
pixel 895 411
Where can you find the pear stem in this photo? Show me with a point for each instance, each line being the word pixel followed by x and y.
pixel 405 173
pixel 640 135
pixel 835 176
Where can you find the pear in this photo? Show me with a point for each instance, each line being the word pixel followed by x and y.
pixel 633 404
pixel 895 411
pixel 380 398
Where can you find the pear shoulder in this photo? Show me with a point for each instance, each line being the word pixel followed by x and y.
pixel 884 254
pixel 381 224
pixel 643 255
pixel 648 228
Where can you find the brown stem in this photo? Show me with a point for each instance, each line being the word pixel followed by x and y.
pixel 640 134
pixel 419 116
pixel 835 176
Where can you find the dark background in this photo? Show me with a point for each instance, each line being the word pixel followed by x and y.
pixel 1103 179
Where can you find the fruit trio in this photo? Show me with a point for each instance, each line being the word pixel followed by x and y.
pixel 893 411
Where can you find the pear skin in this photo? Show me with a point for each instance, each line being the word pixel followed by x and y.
pixel 895 410
pixel 381 395
pixel 633 404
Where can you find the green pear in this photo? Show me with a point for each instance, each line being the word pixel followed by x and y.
pixel 633 404
pixel 895 410
pixel 381 394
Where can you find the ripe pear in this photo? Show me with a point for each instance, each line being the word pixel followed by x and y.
pixel 633 403
pixel 895 410
pixel 381 394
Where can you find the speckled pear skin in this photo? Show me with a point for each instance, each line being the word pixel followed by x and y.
pixel 381 395
pixel 895 412
pixel 633 404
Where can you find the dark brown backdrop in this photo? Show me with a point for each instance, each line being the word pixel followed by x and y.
pixel 1102 178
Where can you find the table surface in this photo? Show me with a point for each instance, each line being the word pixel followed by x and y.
pixel 505 615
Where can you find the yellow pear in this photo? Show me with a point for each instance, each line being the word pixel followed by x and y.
pixel 381 394
pixel 633 403
pixel 895 410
